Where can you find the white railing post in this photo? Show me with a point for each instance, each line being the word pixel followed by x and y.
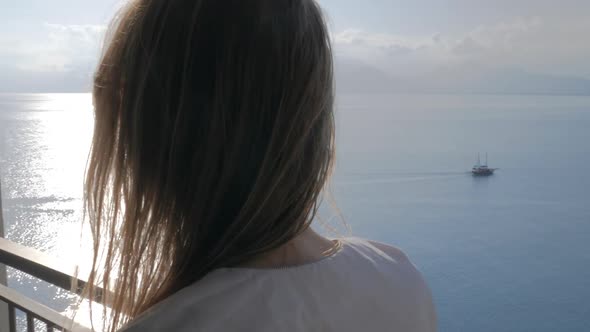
pixel 4 320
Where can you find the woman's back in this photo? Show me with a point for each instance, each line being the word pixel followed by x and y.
pixel 364 286
pixel 213 141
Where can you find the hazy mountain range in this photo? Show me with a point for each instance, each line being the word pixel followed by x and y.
pixel 354 76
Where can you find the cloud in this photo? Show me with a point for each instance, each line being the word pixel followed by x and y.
pixel 54 57
pixel 63 48
pixel 402 55
pixel 554 46
pixel 64 56
pixel 68 47
pixel 356 42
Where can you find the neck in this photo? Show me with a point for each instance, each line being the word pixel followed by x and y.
pixel 308 247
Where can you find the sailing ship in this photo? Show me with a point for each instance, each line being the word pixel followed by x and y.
pixel 482 169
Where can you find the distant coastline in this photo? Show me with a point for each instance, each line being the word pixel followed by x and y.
pixel 357 77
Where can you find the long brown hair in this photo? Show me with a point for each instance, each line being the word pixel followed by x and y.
pixel 213 139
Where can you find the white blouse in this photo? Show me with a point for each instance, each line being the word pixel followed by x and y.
pixel 365 286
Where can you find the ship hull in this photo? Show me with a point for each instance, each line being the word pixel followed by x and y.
pixel 482 172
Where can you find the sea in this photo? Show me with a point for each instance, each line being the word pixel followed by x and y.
pixel 509 252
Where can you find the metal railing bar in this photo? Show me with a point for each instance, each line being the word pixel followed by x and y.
pixel 53 328
pixel 30 322
pixel 40 319
pixel 36 263
pixel 46 314
pixel 42 266
pixel 11 317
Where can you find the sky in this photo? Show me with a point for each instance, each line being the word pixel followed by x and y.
pixel 54 45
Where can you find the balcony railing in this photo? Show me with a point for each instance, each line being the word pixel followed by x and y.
pixel 45 268
pixel 41 266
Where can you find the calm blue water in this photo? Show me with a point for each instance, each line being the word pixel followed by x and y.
pixel 505 253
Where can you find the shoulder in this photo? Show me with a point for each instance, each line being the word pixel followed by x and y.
pixel 377 249
pixel 392 251
pixel 408 287
pixel 386 259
